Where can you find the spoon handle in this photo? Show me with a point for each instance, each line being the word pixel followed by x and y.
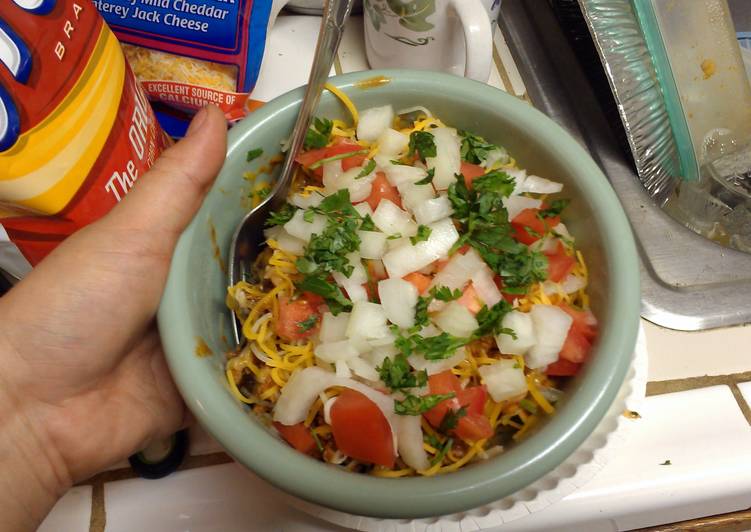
pixel 335 13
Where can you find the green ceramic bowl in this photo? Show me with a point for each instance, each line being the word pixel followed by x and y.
pixel 193 303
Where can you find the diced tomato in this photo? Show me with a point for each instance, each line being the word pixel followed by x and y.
pixel 339 147
pixel 559 264
pixel 371 288
pixel 441 264
pixel 562 368
pixel 508 297
pixel 382 189
pixel 470 172
pixel 309 157
pixel 582 333
pixel 528 228
pixel 472 426
pixel 470 300
pixel 314 299
pixel 360 429
pixel 419 281
pixel 376 271
pixel 298 436
pixel 292 314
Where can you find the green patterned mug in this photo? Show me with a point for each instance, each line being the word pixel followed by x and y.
pixel 454 36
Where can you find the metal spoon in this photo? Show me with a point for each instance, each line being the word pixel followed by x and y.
pixel 249 233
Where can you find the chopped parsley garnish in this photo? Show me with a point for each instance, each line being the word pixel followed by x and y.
pixel 413 405
pixel 428 179
pixel 309 215
pixel 554 209
pixel 254 154
pixel 437 347
pixel 423 233
pixel 444 293
pixel 475 149
pixel 367 169
pixel 318 134
pixel 421 312
pixel 432 440
pixel 337 157
pixel 307 324
pixel 451 419
pixel 485 226
pixel 422 142
pixel 490 319
pixel 282 216
pixel 329 291
pixel 529 406
pixel 367 224
pixel 397 374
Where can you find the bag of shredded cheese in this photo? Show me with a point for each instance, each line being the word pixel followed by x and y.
pixel 76 130
pixel 189 53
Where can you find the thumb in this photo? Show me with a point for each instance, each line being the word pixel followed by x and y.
pixel 167 196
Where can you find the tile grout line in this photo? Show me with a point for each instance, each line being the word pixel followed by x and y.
pixel 692 383
pixel 508 86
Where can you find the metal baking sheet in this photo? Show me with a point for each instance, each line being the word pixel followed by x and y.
pixel 688 282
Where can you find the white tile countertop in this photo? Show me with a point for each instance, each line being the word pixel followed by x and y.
pixel 696 414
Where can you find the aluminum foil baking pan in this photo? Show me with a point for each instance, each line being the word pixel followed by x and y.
pixel 632 76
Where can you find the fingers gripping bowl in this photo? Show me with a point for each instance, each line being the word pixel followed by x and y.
pixel 193 306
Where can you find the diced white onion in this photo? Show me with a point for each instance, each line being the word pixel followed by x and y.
pixel 367 320
pixel 562 230
pixel 363 209
pixel 342 369
pixel 551 325
pixel 374 121
pixel 332 170
pixel 361 344
pixel 379 354
pixel 362 369
pixel 516 204
pixel 540 185
pixel 336 351
pixel 407 259
pixel 272 232
pixel 399 173
pixel 432 210
pixel 313 199
pixel 354 290
pixel 523 327
pixel 455 319
pixel 290 244
pixel 413 195
pixel 398 298
pixel 303 230
pixel 503 379
pixel 459 270
pixel 545 244
pixel 333 328
pixel 519 175
pixel 409 436
pixel 415 109
pixel 327 409
pixel 447 161
pixel 497 155
pixel 359 189
pixel 378 270
pixel 432 367
pixel 572 283
pixel 391 219
pixel 372 244
pixel 392 142
pixel 484 285
pixel 383 161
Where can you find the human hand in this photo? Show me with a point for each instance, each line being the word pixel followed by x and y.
pixel 83 380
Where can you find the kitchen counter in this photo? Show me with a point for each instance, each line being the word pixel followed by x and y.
pixel 696 414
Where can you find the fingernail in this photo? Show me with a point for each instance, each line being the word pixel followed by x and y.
pixel 197 121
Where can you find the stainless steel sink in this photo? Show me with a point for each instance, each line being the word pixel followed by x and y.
pixel 688 282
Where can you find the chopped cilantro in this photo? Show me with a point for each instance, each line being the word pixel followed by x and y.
pixel 529 406
pixel 428 179
pixel 423 233
pixel 330 292
pixel 307 324
pixel 432 440
pixel 309 216
pixel 495 182
pixel 318 134
pixel 367 224
pixel 490 319
pixel 438 347
pixel 421 312
pixel 319 446
pixel 475 149
pixel 397 374
pixel 451 419
pixel 254 154
pixel 367 169
pixel 282 216
pixel 442 453
pixel 555 209
pixel 395 236
pixel 422 142
pixel 413 405
pixel 337 157
pixel 444 293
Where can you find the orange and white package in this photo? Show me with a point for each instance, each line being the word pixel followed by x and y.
pixel 76 129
